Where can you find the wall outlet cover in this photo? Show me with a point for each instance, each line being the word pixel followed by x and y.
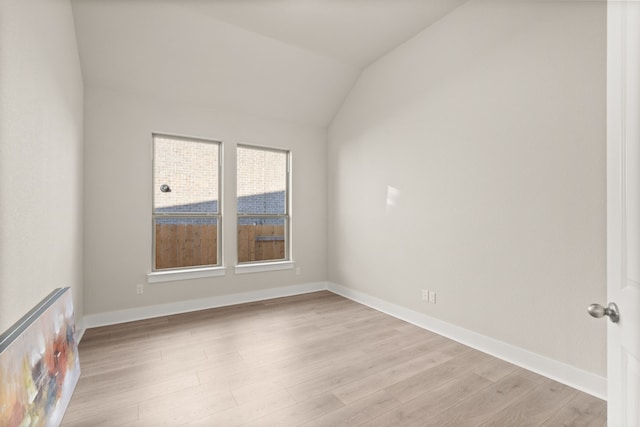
pixel 432 297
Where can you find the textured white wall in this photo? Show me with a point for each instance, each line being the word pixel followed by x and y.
pixel 471 161
pixel 40 156
pixel 117 227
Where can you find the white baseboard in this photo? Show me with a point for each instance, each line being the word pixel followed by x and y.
pixel 149 312
pixel 80 328
pixel 569 375
pixel 558 371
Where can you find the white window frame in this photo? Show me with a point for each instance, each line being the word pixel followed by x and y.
pixel 274 264
pixel 187 272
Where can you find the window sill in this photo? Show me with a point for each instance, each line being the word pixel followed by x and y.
pixel 192 273
pixel 264 266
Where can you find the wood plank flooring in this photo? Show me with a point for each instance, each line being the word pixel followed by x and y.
pixel 309 360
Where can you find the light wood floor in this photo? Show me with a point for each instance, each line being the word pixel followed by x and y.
pixel 312 360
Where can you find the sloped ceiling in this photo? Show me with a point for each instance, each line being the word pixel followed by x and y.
pixel 292 60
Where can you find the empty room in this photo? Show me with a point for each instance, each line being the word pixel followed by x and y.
pixel 319 213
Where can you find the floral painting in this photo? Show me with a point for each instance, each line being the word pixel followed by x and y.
pixel 39 364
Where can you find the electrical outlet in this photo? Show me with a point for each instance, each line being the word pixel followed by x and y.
pixel 298 270
pixel 139 289
pixel 425 294
pixel 432 297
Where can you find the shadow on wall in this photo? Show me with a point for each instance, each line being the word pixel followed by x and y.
pixel 264 203
pixel 185 241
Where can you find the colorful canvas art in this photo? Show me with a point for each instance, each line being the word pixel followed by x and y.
pixel 39 364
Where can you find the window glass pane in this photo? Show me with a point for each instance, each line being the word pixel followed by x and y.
pixel 262 181
pixel 186 242
pixel 187 171
pixel 261 239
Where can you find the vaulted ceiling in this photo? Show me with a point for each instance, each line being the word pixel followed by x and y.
pixel 292 60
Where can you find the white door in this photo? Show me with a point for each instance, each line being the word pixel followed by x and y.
pixel 623 210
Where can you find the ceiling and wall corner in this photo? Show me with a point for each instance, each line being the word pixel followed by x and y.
pixel 281 59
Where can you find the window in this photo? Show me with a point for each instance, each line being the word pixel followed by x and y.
pixel 263 204
pixel 186 203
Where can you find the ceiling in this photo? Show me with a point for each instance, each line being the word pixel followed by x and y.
pixel 292 60
pixel 355 32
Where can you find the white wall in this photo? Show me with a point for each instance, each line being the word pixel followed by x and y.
pixel 117 227
pixel 490 126
pixel 40 156
pixel 182 51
